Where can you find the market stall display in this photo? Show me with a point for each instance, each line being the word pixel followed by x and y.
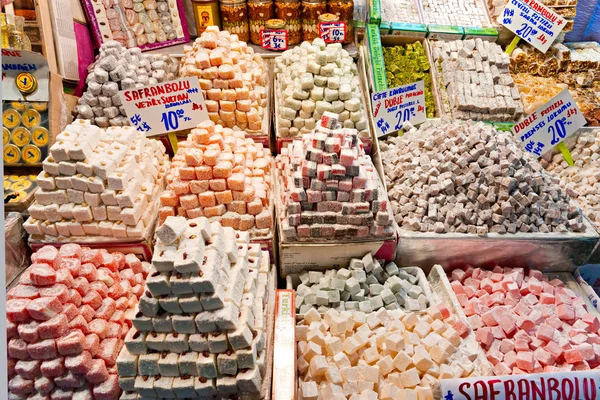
pixel 539 77
pixel 148 24
pixel 67 320
pixel 219 174
pixel 312 79
pixel 467 177
pixel 98 183
pixel 329 189
pixel 118 68
pixel 232 78
pixel 475 81
pixel 199 329
pixel 527 322
pixel 471 13
pixel 25 132
pixel 408 64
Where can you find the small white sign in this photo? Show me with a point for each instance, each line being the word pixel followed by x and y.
pixel 582 385
pixel 550 124
pixel 165 107
pixel 274 39
pixel 15 62
pixel 332 32
pixel 532 22
pixel 393 107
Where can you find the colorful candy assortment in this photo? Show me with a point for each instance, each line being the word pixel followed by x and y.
pixel 232 79
pixel 66 321
pixel 329 187
pixel 526 322
pixel 98 183
pixel 219 174
pixel 199 329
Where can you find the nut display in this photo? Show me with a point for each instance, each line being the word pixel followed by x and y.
pixel 313 79
pixel 311 11
pixel 455 13
pixel 98 183
pixel 478 85
pixel 344 9
pixel 234 14
pixel 66 321
pixel 581 180
pixel 366 285
pixel 232 78
pixel 199 329
pixel 116 69
pixel 290 11
pixel 536 91
pixel 259 12
pixel 408 64
pixel 219 174
pixel 467 177
pixel 400 11
pixel 329 188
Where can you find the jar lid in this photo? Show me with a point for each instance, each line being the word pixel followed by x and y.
pixel 275 24
pixel 328 17
pixel 261 1
pixel 314 1
pixel 233 2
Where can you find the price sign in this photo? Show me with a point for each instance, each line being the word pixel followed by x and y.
pixel 393 107
pixel 165 107
pixel 550 124
pixel 332 32
pixel 583 385
pixel 274 39
pixel 533 22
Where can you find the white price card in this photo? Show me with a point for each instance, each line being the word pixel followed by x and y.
pixel 533 22
pixel 393 107
pixel 165 107
pixel 274 39
pixel 332 32
pixel 581 385
pixel 550 124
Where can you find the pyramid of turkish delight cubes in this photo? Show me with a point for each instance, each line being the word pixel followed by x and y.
pixel 98 183
pixel 199 329
pixel 330 188
pixel 219 174
pixel 116 69
pixel 232 79
pixel 66 321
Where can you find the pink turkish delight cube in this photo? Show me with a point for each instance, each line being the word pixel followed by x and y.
pixel 47 255
pixel 53 368
pixel 79 364
pixel 53 328
pixel 43 350
pixel 72 343
pixel 44 308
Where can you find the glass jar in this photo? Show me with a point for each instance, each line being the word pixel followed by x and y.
pixel 344 9
pixel 234 15
pixel 259 11
pixel 289 11
pixel 12 32
pixel 311 11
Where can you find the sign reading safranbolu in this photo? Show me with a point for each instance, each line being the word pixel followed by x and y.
pixel 393 107
pixel 165 107
pixel 550 124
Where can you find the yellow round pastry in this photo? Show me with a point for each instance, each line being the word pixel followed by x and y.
pixel 11 118
pixel 20 105
pixel 26 83
pixel 21 136
pixel 31 154
pixel 12 155
pixel 39 106
pixel 7 184
pixel 40 136
pixel 21 185
pixel 5 135
pixel 31 118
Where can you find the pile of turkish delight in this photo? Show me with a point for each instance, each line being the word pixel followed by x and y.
pixel 388 354
pixel 199 329
pixel 232 78
pixel 219 174
pixel 66 321
pixel 330 188
pixel 116 69
pixel 526 322
pixel 98 183
pixel 478 85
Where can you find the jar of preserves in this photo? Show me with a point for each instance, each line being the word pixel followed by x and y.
pixel 344 9
pixel 311 11
pixel 259 11
pixel 289 11
pixel 234 16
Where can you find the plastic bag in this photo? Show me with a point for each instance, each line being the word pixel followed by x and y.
pixel 15 248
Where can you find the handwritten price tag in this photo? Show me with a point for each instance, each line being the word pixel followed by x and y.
pixel 165 107
pixel 274 39
pixel 332 32
pixel 550 124
pixel 393 107
pixel 533 22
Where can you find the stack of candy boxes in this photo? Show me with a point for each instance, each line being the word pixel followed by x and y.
pixel 199 329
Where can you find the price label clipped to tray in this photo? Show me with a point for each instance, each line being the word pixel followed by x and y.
pixel 533 22
pixel 392 108
pixel 274 39
pixel 550 125
pixel 332 32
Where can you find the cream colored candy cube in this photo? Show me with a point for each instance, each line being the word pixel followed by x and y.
pixel 410 378
pixel 302 365
pixel 452 336
pixel 446 372
pixel 438 326
pixel 402 361
pixel 424 393
pixel 312 350
pixel 310 390
pixel 369 373
pixel 316 337
pixel 408 394
pixel 342 361
pixel 410 320
pixel 370 355
pixel 438 355
pixel 394 342
pixel 421 359
pixel 318 366
pixel 312 316
pixel 422 329
pixel 301 331
pixel 386 365
pixel 333 375
pixel 333 346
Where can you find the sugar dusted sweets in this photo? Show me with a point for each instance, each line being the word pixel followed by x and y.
pixel 220 174
pixel 329 189
pixel 232 78
pixel 200 329
pixel 98 183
